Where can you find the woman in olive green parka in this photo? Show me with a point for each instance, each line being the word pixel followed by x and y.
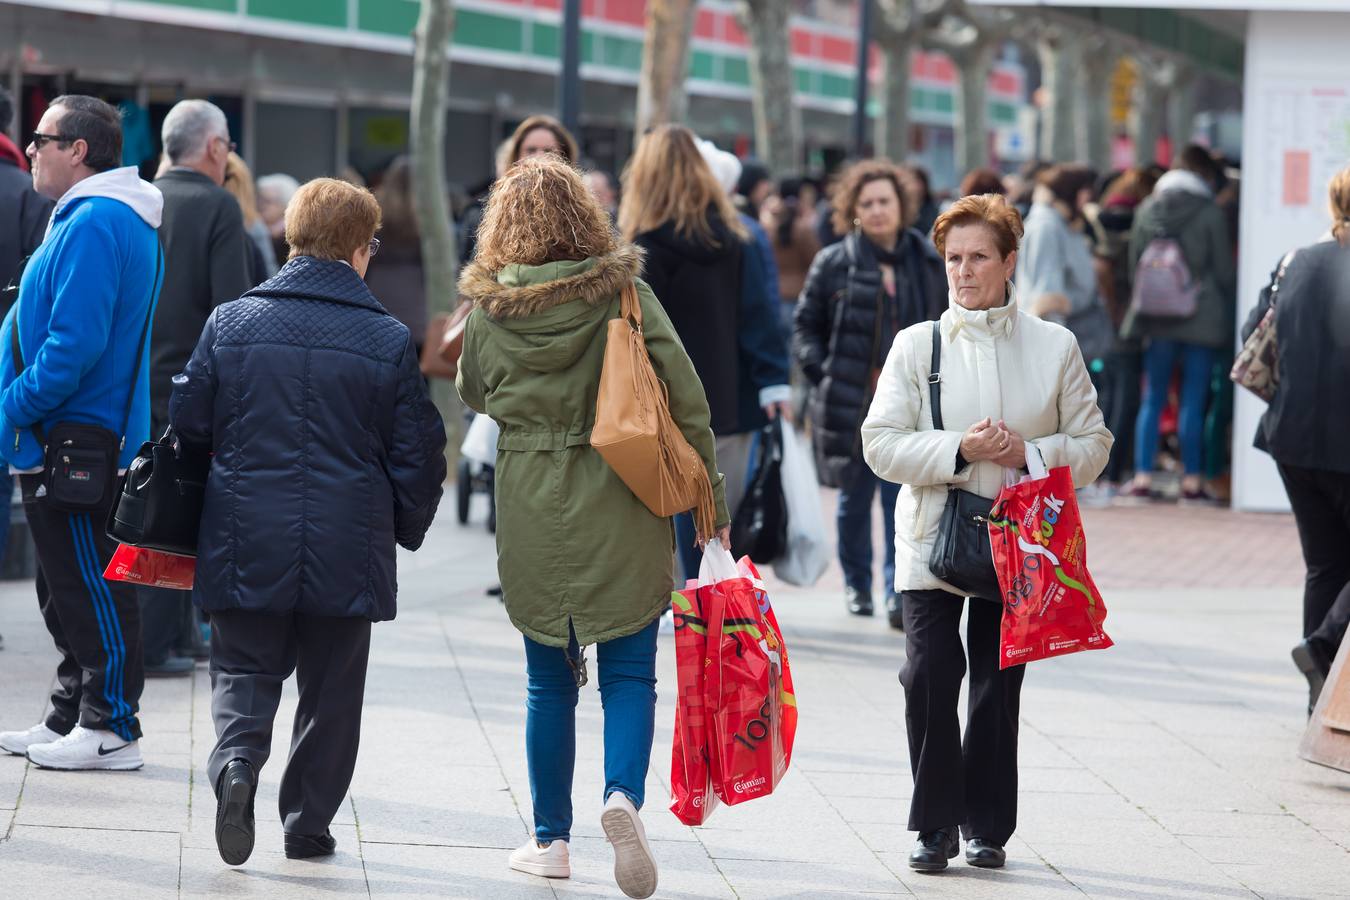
pixel 581 559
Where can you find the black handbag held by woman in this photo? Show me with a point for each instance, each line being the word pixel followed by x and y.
pixel 161 503
pixel 961 554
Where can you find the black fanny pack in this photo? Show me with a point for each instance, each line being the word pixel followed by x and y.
pixel 79 459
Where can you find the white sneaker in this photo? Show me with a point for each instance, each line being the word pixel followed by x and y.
pixel 552 861
pixel 634 865
pixel 85 748
pixel 18 742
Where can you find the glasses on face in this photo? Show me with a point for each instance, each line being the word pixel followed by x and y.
pixel 229 144
pixel 41 140
pixel 374 246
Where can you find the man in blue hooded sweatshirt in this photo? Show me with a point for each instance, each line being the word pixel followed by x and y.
pixel 85 299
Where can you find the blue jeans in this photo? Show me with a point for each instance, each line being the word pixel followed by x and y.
pixel 854 521
pixel 1159 360
pixel 627 674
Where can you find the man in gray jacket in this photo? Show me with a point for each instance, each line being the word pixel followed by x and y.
pixel 205 265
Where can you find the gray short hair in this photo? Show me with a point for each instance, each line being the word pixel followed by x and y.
pixel 189 126
pixel 280 187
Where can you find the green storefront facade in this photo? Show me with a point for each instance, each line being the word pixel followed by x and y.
pixel 311 85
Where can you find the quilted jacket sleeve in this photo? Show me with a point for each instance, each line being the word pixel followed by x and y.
pixel 811 320
pixel 895 445
pixel 1083 441
pixel 416 455
pixel 193 403
pixel 688 403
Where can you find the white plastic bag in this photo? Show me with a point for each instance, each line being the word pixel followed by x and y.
pixel 480 441
pixel 807 555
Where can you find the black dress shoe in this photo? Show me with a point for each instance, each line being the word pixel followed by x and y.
pixel 934 848
pixel 1314 667
pixel 234 812
pixel 895 607
pixel 985 854
pixel 859 603
pixel 307 846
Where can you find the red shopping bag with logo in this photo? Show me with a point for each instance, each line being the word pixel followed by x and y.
pixel 692 797
pixel 152 568
pixel 748 689
pixel 1050 604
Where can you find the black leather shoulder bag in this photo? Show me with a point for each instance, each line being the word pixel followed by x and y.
pixel 79 464
pixel 961 554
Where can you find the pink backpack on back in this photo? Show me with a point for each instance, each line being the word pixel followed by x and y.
pixel 1163 286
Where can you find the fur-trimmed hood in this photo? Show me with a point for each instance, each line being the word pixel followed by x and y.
pixel 520 291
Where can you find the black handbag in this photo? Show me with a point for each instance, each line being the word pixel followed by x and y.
pixel 160 507
pixel 79 463
pixel 961 554
pixel 759 528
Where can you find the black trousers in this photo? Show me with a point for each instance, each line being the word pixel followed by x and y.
pixel 1119 395
pixel 95 623
pixel 1320 500
pixel 973 783
pixel 252 655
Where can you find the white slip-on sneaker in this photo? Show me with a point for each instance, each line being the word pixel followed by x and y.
pixel 18 742
pixel 86 748
pixel 551 861
pixel 634 865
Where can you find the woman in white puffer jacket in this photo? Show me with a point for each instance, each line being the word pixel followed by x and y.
pixel 1008 379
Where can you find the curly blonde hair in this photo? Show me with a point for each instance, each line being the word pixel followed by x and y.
pixel 541 211
pixel 844 197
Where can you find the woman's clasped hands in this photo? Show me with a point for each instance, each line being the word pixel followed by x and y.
pixel 992 441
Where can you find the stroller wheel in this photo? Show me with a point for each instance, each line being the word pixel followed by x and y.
pixel 463 490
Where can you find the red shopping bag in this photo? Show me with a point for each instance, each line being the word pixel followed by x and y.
pixel 1050 604
pixel 152 568
pixel 748 688
pixel 692 799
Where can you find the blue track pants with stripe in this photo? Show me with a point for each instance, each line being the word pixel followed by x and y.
pixel 95 623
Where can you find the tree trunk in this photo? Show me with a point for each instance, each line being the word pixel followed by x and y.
pixel 1181 106
pixel 431 205
pixel 897 55
pixel 665 63
pixel 777 122
pixel 1146 118
pixel 1060 57
pixel 1094 105
pixel 972 105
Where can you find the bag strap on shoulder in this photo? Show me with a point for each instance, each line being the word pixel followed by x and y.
pixel 935 378
pixel 19 364
pixel 630 307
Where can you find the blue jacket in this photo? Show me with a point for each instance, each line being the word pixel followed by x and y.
pixel 764 348
pixel 83 301
pixel 327 448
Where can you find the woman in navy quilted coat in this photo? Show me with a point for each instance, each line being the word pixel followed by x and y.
pixel 327 452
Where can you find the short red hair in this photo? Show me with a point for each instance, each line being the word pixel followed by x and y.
pixel 990 210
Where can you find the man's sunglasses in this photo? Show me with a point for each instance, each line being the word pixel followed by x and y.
pixel 41 140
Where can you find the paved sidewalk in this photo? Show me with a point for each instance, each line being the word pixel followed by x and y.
pixel 1162 768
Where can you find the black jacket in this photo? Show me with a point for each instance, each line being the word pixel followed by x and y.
pixel 1308 423
pixel 206 264
pixel 327 448
pixel 23 219
pixel 843 330
pixel 700 287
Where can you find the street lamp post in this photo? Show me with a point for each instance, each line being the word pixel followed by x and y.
pixel 860 95
pixel 569 82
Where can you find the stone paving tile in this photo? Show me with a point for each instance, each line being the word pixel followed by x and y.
pixel 758 879
pixel 268 873
pixel 685 871
pixel 158 793
pixel 42 861
pixel 459 873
